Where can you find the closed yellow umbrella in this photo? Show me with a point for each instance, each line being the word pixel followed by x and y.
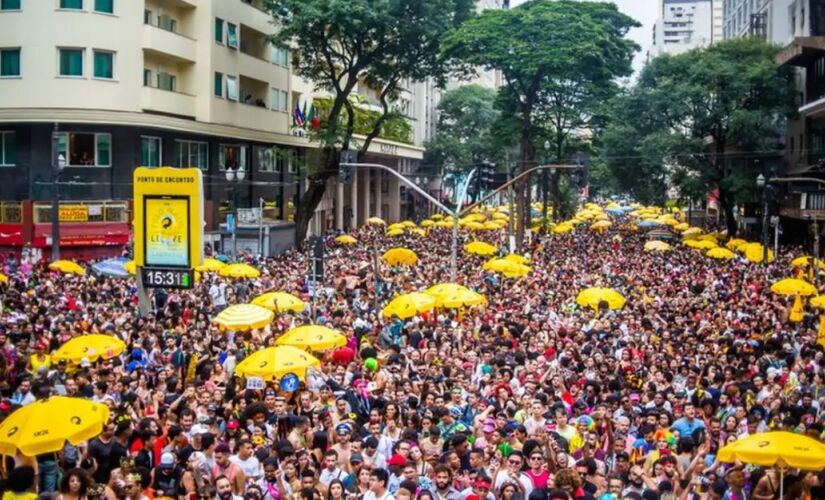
pixel 400 256
pixel 243 317
pixel 792 286
pixel 45 426
pixel 592 297
pixel 92 346
pixel 735 244
pixel 274 362
pixel 210 265
pixel 408 305
pixel 279 302
pixel 313 337
pixel 346 239
pixel 720 253
pixel 657 246
pixel 480 248
pixel 239 271
pixel 67 267
pixel 376 221
pixel 807 261
pixel 460 298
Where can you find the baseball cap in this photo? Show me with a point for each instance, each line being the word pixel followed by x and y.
pixel 167 460
pixel 232 424
pixel 397 460
pixel 343 429
pixel 487 429
pixel 455 411
pixel 356 458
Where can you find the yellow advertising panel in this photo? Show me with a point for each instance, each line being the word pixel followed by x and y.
pixel 168 221
pixel 74 213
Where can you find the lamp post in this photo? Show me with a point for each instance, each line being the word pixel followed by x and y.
pixel 232 177
pixel 544 187
pixel 58 164
pixel 761 183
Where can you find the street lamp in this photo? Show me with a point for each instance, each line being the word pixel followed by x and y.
pixel 233 176
pixel 762 185
pixel 545 187
pixel 58 164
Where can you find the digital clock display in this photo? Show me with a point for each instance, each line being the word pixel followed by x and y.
pixel 158 277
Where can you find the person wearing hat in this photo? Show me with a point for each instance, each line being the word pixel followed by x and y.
pixel 450 424
pixel 166 477
pixel 343 448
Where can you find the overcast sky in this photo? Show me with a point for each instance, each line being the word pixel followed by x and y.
pixel 643 11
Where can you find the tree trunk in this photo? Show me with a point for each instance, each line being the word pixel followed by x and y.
pixel 726 205
pixel 309 201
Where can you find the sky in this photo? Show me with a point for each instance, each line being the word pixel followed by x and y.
pixel 643 11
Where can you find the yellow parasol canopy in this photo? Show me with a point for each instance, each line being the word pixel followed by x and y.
pixel 460 298
pixel 45 426
pixel 427 223
pixel 346 239
pixel 807 261
pixel 400 256
pixel 408 224
pixel 735 244
pixel 408 305
pixel 243 317
pixel 682 226
pixel 375 221
pixel 701 244
pixel 600 225
pixel 443 223
pixel 480 248
pixel 239 271
pixel 592 297
pixel 279 302
pixel 657 246
pixel 395 232
pixel 754 252
pixel 692 231
pixel 210 265
pixel 818 301
pixel 67 267
pixel 518 259
pixel 720 253
pixel 506 267
pixel 779 448
pixel 563 228
pixel 418 231
pixel 313 337
pixel 92 346
pixel 445 288
pixel 792 286
pixel 437 216
pixel 277 361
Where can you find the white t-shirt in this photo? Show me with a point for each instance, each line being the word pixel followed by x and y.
pixel 370 495
pixel 504 477
pixel 327 476
pixel 217 294
pixel 251 467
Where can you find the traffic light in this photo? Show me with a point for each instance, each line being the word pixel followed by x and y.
pixel 487 172
pixel 345 161
pixel 581 176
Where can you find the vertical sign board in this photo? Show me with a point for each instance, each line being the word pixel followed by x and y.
pixel 168 225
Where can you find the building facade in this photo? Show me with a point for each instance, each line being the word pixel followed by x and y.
pixel 185 83
pixel 682 25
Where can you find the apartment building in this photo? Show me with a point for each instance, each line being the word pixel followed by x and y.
pixel 682 25
pixel 186 83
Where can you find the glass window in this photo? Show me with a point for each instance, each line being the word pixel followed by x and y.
pixel 167 23
pixel 232 156
pixel 231 35
pixel 167 82
pixel 231 88
pixel 275 99
pixel 85 149
pixel 71 62
pixel 9 62
pixel 274 54
pixel 191 154
pixel 9 4
pixel 284 101
pixel 147 16
pixel 218 84
pixel 284 57
pixel 219 30
pixel 267 159
pixel 107 6
pixel 104 64
pixel 71 4
pixel 147 77
pixel 150 151
pixel 8 149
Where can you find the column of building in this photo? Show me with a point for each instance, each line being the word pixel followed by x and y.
pixel 379 176
pixel 364 195
pixel 353 200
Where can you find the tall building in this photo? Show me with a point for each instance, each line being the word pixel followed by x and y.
pixel 160 82
pixel 682 25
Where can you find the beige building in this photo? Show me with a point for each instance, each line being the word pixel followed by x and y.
pixel 164 82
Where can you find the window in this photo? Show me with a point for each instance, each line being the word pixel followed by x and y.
pixel 278 100
pixel 150 151
pixel 279 56
pixel 107 6
pixel 232 156
pixel 8 149
pixel 147 77
pixel 191 154
pixel 71 62
pixel 147 16
pixel 218 84
pixel 231 88
pixel 269 159
pixel 9 4
pixel 219 30
pixel 71 4
pixel 284 57
pixel 167 23
pixel 291 162
pixel 231 35
pixel 9 62
pixel 167 82
pixel 86 149
pixel 104 64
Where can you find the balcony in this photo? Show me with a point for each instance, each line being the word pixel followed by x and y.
pixel 160 41
pixel 253 92
pixel 254 43
pixel 167 102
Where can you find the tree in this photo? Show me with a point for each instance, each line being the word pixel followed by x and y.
pixel 540 44
pixel 338 44
pixel 703 120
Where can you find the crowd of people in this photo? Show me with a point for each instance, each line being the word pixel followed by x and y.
pixel 528 397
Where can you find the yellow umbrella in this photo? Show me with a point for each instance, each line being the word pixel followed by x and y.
pixel 408 305
pixel 67 267
pixel 92 346
pixel 754 252
pixel 277 361
pixel 131 267
pixel 400 256
pixel 492 225
pixel 720 253
pixel 437 216
pixel 693 231
pixel 312 337
pixel 792 286
pixel 500 216
pixel 243 317
pixel 397 225
pixel 563 228
pixel 395 232
pixel 506 267
pixel 518 259
pixel 346 239
pixel 45 426
pixel 427 223
pixel 376 221
pixel 460 298
pixel 592 297
pixel 418 231
pixel 445 288
pixel 480 248
pixel 210 266
pixel 600 225
pixel 701 244
pixel 408 224
pixel 735 244
pixel 475 226
pixel 475 217
pixel 682 226
pixel 657 246
pixel 807 261
pixel 443 223
pixel 279 302
pixel 239 271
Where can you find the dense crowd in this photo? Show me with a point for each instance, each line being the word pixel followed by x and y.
pixel 530 397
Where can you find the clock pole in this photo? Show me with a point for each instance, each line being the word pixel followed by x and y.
pixel 144 306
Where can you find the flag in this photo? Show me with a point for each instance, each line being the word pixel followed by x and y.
pixel 298 116
pixel 313 119
pixel 304 115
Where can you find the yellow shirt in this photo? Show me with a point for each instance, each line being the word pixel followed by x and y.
pixel 19 496
pixel 37 363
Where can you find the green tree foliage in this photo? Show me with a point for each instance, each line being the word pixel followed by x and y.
pixel 702 120
pixel 339 44
pixel 395 127
pixel 544 49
